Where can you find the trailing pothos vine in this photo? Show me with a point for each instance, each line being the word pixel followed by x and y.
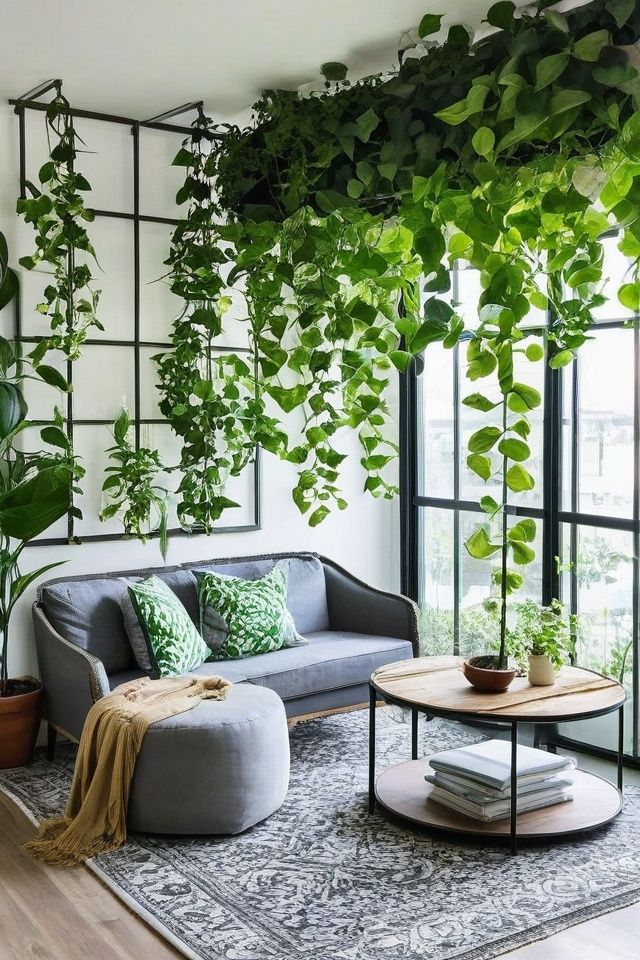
pixel 337 221
pixel 58 213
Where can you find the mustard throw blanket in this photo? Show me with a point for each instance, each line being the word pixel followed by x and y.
pixel 95 819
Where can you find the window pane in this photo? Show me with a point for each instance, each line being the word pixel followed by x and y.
pixel 603 580
pixel 435 464
pixel 605 425
pixel 436 583
pixel 478 629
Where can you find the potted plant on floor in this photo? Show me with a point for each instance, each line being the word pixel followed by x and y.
pixel 35 491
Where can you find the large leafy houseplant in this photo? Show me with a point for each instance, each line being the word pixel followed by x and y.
pixel 35 491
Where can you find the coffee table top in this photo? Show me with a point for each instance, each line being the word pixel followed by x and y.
pixel 437 685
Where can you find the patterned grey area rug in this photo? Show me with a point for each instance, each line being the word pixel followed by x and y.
pixel 322 878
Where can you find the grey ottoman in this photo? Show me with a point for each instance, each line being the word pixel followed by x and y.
pixel 219 768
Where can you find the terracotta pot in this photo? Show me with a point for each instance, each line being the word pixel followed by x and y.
pixel 542 672
pixel 20 714
pixel 482 676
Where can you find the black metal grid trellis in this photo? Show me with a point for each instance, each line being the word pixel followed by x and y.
pixel 31 101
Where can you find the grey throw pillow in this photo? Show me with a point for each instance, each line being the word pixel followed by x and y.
pixel 134 631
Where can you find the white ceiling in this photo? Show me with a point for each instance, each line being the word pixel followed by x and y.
pixel 141 57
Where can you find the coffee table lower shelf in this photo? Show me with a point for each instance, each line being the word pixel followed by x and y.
pixel 402 790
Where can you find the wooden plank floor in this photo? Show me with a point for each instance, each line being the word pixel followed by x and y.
pixel 54 914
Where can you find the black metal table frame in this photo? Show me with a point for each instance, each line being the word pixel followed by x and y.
pixel 375 694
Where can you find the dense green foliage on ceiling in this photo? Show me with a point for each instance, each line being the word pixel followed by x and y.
pixel 339 216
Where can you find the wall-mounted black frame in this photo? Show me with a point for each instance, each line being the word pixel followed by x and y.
pixel 32 101
pixel 552 516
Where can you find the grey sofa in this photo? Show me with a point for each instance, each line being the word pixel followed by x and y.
pixel 352 628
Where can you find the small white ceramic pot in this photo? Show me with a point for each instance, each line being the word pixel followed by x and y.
pixel 542 672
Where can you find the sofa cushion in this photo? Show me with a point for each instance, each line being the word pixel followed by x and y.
pixel 234 674
pixel 330 661
pixel 242 618
pixel 87 612
pixel 307 592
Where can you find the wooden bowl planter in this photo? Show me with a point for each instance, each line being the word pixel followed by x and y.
pixel 483 674
pixel 20 713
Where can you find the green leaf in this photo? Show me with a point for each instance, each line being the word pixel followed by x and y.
pixel 55 437
pixel 455 114
pixel 518 479
pixel 522 554
pixel 318 516
pixel 480 465
pixel 429 25
pixel 534 352
pixel 30 507
pixel 183 158
pixel 53 377
pixel 479 546
pixel 330 200
pixel 355 188
pixel 334 71
pixel 629 296
pixel 429 244
pixel 489 505
pixel 588 48
pixel 479 402
pixel 524 530
pixel 523 398
pixel 8 288
pixel 567 100
pixel 501 14
pixel 556 21
pixel 550 68
pixel 514 449
pixel 483 142
pixel 561 359
pixel 621 10
pixel 484 439
pixel 366 124
pixel 290 398
pixel 20 584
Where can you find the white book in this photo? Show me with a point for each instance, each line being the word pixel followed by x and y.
pixel 481 794
pixel 500 809
pixel 489 763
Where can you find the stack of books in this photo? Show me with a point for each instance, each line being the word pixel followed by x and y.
pixel 476 780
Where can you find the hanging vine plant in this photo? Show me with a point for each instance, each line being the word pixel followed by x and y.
pixel 211 399
pixel 58 213
pixel 347 210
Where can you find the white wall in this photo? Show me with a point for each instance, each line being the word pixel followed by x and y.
pixel 363 538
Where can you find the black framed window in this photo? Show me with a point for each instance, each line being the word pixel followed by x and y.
pixel 585 443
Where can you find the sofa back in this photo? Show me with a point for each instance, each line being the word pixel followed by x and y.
pixel 86 609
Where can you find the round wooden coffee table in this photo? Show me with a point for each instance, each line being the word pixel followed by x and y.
pixel 437 687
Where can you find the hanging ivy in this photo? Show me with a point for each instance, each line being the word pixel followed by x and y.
pixel 132 487
pixel 346 211
pixel 212 399
pixel 58 213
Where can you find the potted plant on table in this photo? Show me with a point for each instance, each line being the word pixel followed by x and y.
pixel 35 491
pixel 541 640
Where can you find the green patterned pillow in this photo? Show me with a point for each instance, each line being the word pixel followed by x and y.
pixel 175 646
pixel 241 618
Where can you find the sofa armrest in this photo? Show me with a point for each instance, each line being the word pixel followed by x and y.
pixel 73 679
pixel 356 607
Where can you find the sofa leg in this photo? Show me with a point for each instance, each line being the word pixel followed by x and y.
pixel 52 736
